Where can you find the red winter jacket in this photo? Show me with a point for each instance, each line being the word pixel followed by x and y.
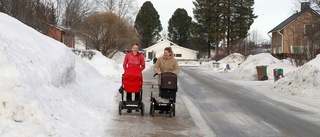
pixel 132 79
pixel 134 61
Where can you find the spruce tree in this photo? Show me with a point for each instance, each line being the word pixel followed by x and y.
pixel 52 16
pixel 217 20
pixel 148 25
pixel 209 27
pixel 179 27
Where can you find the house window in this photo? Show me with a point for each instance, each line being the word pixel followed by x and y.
pixel 298 49
pixel 149 55
pixel 280 49
pixel 178 55
pixel 307 29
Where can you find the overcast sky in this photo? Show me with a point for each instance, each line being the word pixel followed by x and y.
pixel 270 12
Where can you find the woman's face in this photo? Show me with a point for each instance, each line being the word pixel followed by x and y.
pixel 166 53
pixel 135 49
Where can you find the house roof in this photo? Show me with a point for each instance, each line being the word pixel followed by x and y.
pixel 171 44
pixel 58 27
pixel 289 20
pixel 159 43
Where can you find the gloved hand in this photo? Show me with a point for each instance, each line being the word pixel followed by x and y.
pixel 121 89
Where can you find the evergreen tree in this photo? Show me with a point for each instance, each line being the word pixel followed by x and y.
pixel 209 24
pixel 148 25
pixel 241 18
pixel 218 20
pixel 179 27
pixel 52 16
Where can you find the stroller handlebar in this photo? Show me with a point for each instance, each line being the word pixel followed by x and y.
pixel 155 74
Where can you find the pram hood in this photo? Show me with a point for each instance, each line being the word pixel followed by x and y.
pixel 169 81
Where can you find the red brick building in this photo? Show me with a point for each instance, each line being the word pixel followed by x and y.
pixel 291 37
pixel 59 34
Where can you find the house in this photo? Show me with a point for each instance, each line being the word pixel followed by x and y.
pixel 59 33
pixel 180 53
pixel 290 36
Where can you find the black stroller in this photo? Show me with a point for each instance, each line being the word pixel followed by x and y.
pixel 133 105
pixel 167 90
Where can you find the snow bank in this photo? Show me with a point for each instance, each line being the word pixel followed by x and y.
pixel 106 67
pixel 233 60
pixel 303 81
pixel 45 90
pixel 27 60
pixel 119 57
pixel 26 53
pixel 247 69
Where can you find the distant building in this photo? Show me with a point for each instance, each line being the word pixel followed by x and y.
pixel 180 53
pixel 59 33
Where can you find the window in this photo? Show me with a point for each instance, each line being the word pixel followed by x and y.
pixel 307 29
pixel 178 55
pixel 298 49
pixel 280 49
pixel 149 55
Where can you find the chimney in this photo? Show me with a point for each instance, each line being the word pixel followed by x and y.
pixel 305 6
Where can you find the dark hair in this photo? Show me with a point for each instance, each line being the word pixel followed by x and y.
pixel 135 44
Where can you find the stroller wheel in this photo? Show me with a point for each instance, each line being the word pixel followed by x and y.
pixel 171 110
pixel 120 107
pixel 152 109
pixel 174 110
pixel 142 109
pixel 151 96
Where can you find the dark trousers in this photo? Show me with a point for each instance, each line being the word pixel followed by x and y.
pixel 136 96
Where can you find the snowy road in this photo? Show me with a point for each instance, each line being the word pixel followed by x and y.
pixel 232 110
pixel 211 106
pixel 135 125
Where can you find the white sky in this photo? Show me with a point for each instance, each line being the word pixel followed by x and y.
pixel 46 90
pixel 270 12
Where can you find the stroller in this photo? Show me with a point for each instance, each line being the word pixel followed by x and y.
pixel 167 90
pixel 131 83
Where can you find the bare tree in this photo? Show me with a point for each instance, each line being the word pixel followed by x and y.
pixel 34 13
pixel 125 9
pixel 73 12
pixel 106 32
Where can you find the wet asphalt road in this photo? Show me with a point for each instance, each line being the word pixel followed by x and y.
pixel 235 111
pixel 209 106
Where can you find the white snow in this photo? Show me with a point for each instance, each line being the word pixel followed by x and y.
pixel 304 81
pixel 47 90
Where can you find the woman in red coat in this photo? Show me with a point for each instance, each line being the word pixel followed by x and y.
pixel 133 65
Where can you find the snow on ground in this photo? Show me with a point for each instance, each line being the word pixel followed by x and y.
pixel 46 90
pixel 232 60
pixel 119 57
pixel 247 69
pixel 106 66
pixel 303 81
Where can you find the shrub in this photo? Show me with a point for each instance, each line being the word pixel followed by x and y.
pixel 84 53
